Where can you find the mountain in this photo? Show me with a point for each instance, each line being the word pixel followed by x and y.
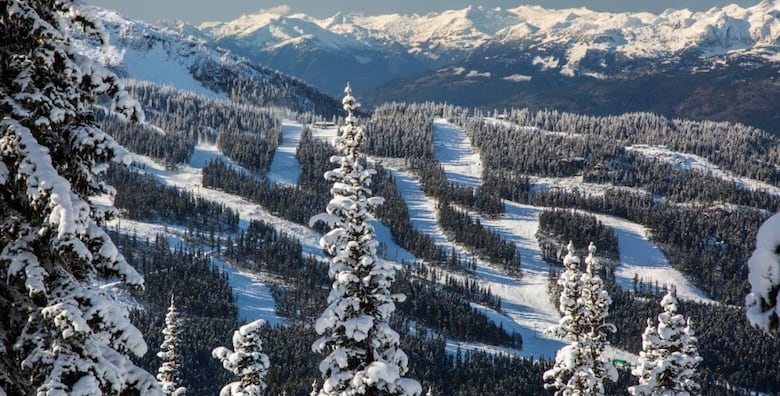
pixel 183 59
pixel 717 64
pixel 326 52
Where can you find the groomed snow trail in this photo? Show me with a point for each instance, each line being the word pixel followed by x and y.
pixel 253 295
pixel 637 254
pixel 452 148
pixel 285 168
pixel 525 302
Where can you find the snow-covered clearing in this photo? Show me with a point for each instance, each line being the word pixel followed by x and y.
pixel 285 168
pixel 637 254
pixel 452 148
pixel 252 294
pixel 525 301
pixel 703 165
pixel 529 310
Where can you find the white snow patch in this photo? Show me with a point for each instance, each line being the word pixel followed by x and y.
pixel 548 62
pixel 285 168
pixel 452 148
pixel 700 164
pixel 518 78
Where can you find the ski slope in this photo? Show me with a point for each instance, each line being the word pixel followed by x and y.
pixel 637 254
pixel 285 168
pixel 452 148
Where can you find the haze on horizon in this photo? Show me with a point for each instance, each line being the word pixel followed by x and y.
pixel 198 11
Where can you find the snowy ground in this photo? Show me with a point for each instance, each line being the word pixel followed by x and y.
pixel 525 301
pixel 453 150
pixel 700 164
pixel 285 168
pixel 252 294
pixel 525 304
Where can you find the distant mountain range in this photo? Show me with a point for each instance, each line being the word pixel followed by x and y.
pixel 720 64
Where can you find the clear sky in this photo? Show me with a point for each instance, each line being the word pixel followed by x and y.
pixel 196 11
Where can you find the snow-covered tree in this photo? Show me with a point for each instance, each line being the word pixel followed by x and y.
pixel 168 374
pixel 246 360
pixel 763 303
pixel 61 332
pixel 580 368
pixel 669 357
pixel 362 351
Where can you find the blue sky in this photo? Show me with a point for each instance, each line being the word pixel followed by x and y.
pixel 197 11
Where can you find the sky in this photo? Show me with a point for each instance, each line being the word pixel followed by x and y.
pixel 197 11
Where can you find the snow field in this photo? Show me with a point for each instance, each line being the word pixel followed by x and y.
pixel 285 168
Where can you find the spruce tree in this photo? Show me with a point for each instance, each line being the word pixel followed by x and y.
pixel 169 372
pixel 669 358
pixel 580 368
pixel 763 303
pixel 246 360
pixel 596 301
pixel 363 356
pixel 61 332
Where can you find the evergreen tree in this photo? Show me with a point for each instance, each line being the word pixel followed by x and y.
pixel 669 358
pixel 363 356
pixel 247 361
pixel 579 367
pixel 763 302
pixel 168 374
pixel 61 332
pixel 596 301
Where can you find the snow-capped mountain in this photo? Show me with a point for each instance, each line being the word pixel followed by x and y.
pixel 568 41
pixel 325 52
pixel 178 55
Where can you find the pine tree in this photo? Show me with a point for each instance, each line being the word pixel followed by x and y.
pixel 580 368
pixel 61 332
pixel 168 374
pixel 363 356
pixel 247 361
pixel 669 358
pixel 763 303
pixel 596 301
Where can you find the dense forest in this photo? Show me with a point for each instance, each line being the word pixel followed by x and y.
pixel 705 225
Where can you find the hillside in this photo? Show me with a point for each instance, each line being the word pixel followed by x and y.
pixel 216 203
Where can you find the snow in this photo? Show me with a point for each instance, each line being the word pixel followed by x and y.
pixel 640 256
pixel 764 276
pixel 700 164
pixel 518 78
pixel 285 168
pixel 452 148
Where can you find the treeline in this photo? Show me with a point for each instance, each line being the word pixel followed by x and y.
pixel 559 226
pixel 401 130
pixel 709 245
pixel 141 197
pixel 395 213
pixel 471 233
pixel 253 150
pixel 434 183
pixel 599 158
pixel 465 287
pixel 203 298
pixel 742 149
pixel 262 248
pixel 276 90
pixel 314 156
pixel 734 353
pixel 678 185
pixel 291 203
pixel 178 120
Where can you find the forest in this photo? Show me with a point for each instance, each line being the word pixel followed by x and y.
pixel 694 207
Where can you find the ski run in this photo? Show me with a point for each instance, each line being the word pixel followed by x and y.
pixel 526 307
